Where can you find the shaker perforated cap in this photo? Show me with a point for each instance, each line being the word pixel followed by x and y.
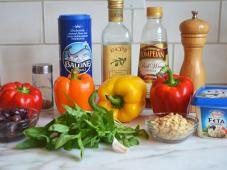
pixel 42 68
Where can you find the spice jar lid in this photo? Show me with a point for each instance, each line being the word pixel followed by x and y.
pixel 194 25
pixel 156 12
pixel 42 68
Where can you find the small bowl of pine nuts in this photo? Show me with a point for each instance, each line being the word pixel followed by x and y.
pixel 172 127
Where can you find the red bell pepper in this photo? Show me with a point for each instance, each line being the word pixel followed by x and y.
pixel 16 94
pixel 171 93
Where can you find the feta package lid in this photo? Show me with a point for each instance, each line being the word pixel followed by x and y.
pixel 210 96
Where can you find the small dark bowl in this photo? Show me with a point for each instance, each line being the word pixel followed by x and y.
pixel 13 130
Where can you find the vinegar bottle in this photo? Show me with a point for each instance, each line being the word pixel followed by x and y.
pixel 153 49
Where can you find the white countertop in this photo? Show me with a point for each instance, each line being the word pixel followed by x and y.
pixel 193 154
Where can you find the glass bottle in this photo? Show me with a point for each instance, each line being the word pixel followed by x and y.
pixel 42 78
pixel 153 49
pixel 116 43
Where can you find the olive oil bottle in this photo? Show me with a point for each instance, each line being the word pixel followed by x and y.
pixel 116 43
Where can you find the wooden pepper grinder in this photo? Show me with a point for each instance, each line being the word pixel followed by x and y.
pixel 193 36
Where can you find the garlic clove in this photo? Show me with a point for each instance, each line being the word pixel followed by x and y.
pixel 118 147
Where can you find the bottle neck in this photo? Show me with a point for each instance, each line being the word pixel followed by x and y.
pixel 154 20
pixel 115 23
pixel 116 15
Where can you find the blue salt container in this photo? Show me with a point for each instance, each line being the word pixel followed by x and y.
pixel 211 110
pixel 75 44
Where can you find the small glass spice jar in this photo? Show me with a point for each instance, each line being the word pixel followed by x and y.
pixel 42 78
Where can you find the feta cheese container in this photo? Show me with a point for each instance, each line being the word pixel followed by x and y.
pixel 211 110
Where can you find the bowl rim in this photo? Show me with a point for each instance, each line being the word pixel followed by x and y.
pixel 34 117
pixel 149 126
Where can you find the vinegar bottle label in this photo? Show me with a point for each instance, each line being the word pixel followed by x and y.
pixel 152 58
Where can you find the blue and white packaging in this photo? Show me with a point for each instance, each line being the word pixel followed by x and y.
pixel 75 44
pixel 211 110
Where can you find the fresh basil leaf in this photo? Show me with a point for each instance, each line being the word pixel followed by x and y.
pixel 59 128
pixel 81 146
pixel 126 130
pixel 137 127
pixel 74 112
pixel 94 142
pixel 108 138
pixel 142 133
pixel 63 139
pixel 133 141
pixel 69 145
pixel 30 143
pixel 69 109
pixel 125 142
pixel 61 119
pixel 109 120
pixel 37 133
pixel 97 120
pixel 78 108
pixel 51 144
pixel 75 126
pixel 90 124
pixel 91 141
pixel 43 138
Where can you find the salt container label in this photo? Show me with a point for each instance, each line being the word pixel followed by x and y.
pixel 75 44
pixel 77 55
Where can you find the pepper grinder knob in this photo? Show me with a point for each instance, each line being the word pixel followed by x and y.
pixel 194 14
pixel 193 37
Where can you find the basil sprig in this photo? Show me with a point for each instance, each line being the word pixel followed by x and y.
pixel 81 129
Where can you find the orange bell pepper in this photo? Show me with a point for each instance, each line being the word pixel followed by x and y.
pixel 77 88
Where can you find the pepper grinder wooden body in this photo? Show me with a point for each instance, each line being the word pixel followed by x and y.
pixel 193 36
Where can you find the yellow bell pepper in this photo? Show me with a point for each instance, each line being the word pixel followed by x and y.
pixel 125 95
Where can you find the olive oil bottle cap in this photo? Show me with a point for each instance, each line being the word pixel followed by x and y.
pixel 155 12
pixel 115 4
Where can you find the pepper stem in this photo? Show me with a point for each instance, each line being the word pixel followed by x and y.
pixel 74 73
pixel 171 80
pixel 23 90
pixel 93 104
pixel 116 101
